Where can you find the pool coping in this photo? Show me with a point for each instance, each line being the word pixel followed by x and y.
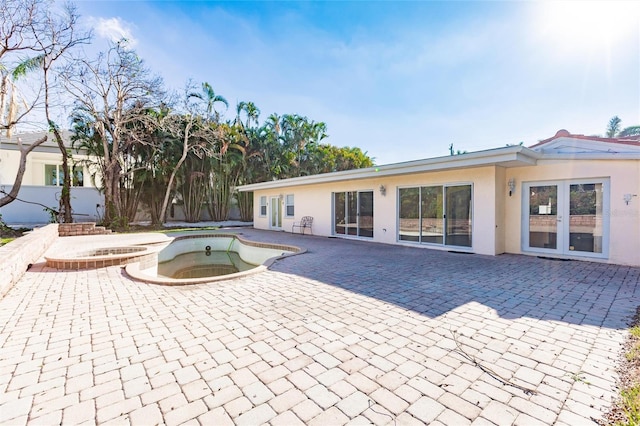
pixel 135 269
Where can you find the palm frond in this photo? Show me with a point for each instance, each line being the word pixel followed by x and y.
pixel 27 66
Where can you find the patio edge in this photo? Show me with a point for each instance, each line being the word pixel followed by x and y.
pixel 18 255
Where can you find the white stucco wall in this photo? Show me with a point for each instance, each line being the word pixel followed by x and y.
pixel 497 217
pixel 624 220
pixel 316 200
pixel 84 203
pixel 34 170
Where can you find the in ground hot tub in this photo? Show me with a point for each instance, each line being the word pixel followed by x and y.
pixel 202 258
pixel 100 258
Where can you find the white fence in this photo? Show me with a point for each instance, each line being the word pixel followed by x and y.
pixel 86 203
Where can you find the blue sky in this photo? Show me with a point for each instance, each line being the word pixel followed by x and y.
pixel 401 80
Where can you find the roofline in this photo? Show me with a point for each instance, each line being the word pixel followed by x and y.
pixel 602 156
pixel 518 155
pixel 565 134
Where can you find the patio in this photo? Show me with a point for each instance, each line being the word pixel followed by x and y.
pixel 350 332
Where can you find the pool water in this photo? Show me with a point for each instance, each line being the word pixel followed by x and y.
pixel 203 258
pixel 203 264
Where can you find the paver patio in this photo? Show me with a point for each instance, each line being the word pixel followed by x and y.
pixel 349 333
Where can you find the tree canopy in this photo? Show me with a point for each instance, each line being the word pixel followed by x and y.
pixel 149 147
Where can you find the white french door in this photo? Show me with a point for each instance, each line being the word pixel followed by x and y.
pixel 566 217
pixel 275 214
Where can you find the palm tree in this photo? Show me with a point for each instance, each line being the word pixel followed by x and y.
pixel 613 127
pixel 631 131
pixel 211 98
pixel 253 112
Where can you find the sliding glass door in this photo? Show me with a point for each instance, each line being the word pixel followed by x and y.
pixel 566 217
pixel 353 213
pixel 436 215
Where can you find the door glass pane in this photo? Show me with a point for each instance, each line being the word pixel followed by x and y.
pixel 409 214
pixel 276 219
pixel 339 216
pixel 458 215
pixel 365 218
pixel 585 217
pixel 352 213
pixel 432 219
pixel 543 216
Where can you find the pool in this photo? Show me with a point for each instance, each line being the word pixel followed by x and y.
pixel 192 259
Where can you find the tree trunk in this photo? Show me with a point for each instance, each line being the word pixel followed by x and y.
pixel 185 150
pixel 245 204
pixel 112 194
pixel 65 198
pixel 17 183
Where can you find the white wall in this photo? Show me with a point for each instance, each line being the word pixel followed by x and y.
pixel 83 203
pixel 315 200
pixel 497 217
pixel 34 169
pixel 624 220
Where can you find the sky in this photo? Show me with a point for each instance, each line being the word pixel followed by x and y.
pixel 402 80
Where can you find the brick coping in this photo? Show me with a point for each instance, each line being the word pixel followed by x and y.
pixel 101 258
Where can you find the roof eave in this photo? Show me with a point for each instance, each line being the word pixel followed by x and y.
pixel 516 156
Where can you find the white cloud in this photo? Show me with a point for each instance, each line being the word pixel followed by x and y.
pixel 113 29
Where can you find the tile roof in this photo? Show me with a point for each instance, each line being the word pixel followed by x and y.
pixel 562 133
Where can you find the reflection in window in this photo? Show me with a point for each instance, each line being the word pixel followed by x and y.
pixel 289 208
pixel 585 217
pixel 54 176
pixel 263 206
pixel 422 215
pixel 409 214
pixel 543 221
pixel 78 176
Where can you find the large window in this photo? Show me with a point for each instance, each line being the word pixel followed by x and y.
pixel 435 215
pixel 54 176
pixel 289 207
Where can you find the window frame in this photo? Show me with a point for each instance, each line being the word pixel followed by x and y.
pixel 444 206
pixel 288 204
pixel 263 206
pixel 74 169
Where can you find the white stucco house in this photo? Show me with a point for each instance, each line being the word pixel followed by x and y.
pixel 42 180
pixel 570 196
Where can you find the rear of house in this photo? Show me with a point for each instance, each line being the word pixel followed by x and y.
pixel 42 180
pixel 569 196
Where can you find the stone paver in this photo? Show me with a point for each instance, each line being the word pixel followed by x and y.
pixel 349 333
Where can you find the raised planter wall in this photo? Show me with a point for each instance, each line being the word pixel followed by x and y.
pixel 83 228
pixel 16 256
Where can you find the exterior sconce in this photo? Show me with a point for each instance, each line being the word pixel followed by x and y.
pixel 383 190
pixel 512 186
pixel 627 198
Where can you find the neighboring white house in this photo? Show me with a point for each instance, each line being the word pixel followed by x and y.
pixel 569 196
pixel 42 181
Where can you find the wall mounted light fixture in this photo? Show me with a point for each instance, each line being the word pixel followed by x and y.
pixel 512 186
pixel 383 190
pixel 627 198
